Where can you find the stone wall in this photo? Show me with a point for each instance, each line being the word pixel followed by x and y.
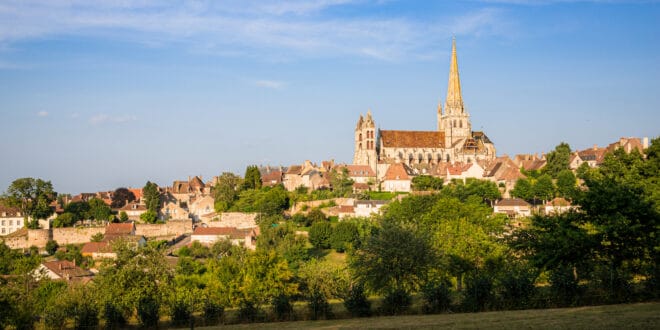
pixel 297 207
pixel 170 228
pixel 235 219
pixel 75 235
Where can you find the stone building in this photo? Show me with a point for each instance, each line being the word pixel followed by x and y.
pixel 454 141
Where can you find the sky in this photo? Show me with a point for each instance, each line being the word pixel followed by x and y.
pixel 96 95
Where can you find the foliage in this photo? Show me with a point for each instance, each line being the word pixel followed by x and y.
pixel 356 301
pixel 523 189
pixel 226 191
pixel 557 160
pixel 252 178
pixel 320 234
pixel 32 197
pixel 282 308
pixel 149 216
pixel 343 236
pixel 64 220
pixel 212 312
pixel 485 189
pixel 51 247
pixel 426 182
pixel 77 211
pixel 316 215
pixel 318 306
pixel 436 294
pixel 543 188
pixel 121 197
pixel 396 302
pixel 151 196
pixel 98 210
pixel 96 237
pixel 517 287
pixel 478 294
pixel 123 216
pixel 566 184
pixel 341 182
pixel 283 240
pixel 400 256
pixel 267 200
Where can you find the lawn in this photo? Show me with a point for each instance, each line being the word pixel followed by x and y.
pixel 626 316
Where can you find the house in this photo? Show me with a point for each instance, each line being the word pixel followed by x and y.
pixel 593 156
pixel 11 219
pixel 98 250
pixel 200 206
pixel 346 211
pixel 575 161
pixel 513 207
pixel 368 207
pixel 63 270
pixel 557 206
pixel 462 171
pixel 113 230
pixel 240 237
pixel 529 162
pixel 398 177
pixel 173 211
pixel 292 179
pixel 271 177
pixel 134 210
pixel 504 172
pixel 358 173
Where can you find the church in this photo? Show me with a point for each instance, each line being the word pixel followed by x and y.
pixel 453 142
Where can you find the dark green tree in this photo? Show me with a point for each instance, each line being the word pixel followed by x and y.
pixel 543 189
pixel 226 191
pixel 558 160
pixel 320 234
pixel 426 182
pixel 523 189
pixel 343 236
pixel 151 196
pixel 51 247
pixel 566 184
pixel 252 178
pixel 32 197
pixel 120 197
pixel 98 210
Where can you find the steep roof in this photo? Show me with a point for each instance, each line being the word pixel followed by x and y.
pixel 95 247
pixel 231 232
pixel 512 202
pixel 412 139
pixel 9 211
pixel 66 269
pixel 120 228
pixel 357 170
pixel 398 171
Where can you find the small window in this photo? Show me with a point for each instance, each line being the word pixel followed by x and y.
pixel 11 222
pixel 18 222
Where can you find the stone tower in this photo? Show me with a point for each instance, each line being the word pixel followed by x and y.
pixel 365 142
pixel 454 121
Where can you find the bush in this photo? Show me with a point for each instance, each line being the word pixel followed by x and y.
pixel 301 220
pixel 212 312
pixel 114 318
pixel 248 312
pixel 316 215
pixel 319 234
pixel 282 308
pixel 478 294
pixel 396 302
pixel 517 288
pixel 343 235
pixel 564 286
pixel 180 313
pixel 86 315
pixel 437 298
pixel 51 247
pixel 318 306
pixel 147 311
pixel 356 302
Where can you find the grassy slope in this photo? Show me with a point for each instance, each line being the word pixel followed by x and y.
pixel 629 316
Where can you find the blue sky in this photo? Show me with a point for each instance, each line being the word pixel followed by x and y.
pixel 98 95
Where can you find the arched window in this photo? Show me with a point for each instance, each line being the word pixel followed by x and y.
pixel 419 158
pixel 447 158
pixel 454 123
pixel 360 145
pixel 460 123
pixel 360 139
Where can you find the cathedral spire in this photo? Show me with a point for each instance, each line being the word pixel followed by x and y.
pixel 454 102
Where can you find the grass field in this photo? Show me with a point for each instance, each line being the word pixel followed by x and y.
pixel 627 316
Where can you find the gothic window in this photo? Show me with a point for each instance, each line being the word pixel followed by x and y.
pixel 429 158
pixel 410 159
pixel 454 123
pixel 460 123
pixel 419 158
pixel 360 137
pixel 447 158
pixel 360 145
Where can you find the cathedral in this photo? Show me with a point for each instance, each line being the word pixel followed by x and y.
pixel 453 142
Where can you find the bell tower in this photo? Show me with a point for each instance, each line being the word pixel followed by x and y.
pixel 454 121
pixel 365 142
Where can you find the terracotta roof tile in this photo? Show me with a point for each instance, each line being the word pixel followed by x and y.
pixel 512 202
pixel 398 171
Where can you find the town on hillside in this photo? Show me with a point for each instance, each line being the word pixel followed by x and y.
pixel 420 222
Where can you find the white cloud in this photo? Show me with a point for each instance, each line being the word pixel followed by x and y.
pixel 254 28
pixel 42 113
pixel 104 118
pixel 273 84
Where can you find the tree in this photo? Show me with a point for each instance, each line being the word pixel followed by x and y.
pixel 341 182
pixel 32 197
pixel 543 188
pixel 78 210
pixel 523 189
pixel 343 236
pixel 320 234
pixel 149 216
pixel 395 258
pixel 252 178
pixel 558 160
pixel 64 220
pixel 123 216
pixel 226 191
pixel 51 247
pixel 566 184
pixel 121 197
pixel 98 210
pixel 151 196
pixel 426 182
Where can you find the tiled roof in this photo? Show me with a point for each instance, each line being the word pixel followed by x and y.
pixel 398 171
pixel 412 139
pixel 120 228
pixel 558 201
pixel 95 247
pixel 512 202
pixel 346 209
pixel 294 169
pixel 532 165
pixel 272 177
pixel 65 268
pixel 9 211
pixel 458 168
pixel 137 192
pixel 231 232
pixel 357 170
pixel 134 206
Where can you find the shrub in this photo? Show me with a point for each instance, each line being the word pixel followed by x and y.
pixel 51 247
pixel 478 294
pixel 437 298
pixel 282 308
pixel 212 312
pixel 344 234
pixel 396 302
pixel 356 302
pixel 147 311
pixel 114 318
pixel 318 306
pixel 249 312
pixel 517 288
pixel 316 215
pixel 564 286
pixel 319 234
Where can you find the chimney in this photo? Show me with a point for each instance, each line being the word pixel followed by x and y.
pixel 60 265
pixel 595 147
pixel 645 142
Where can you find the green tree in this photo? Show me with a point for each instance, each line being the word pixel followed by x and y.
pixel 32 197
pixel 566 184
pixel 426 182
pixel 226 191
pixel 320 234
pixel 123 216
pixel 543 188
pixel 149 216
pixel 120 197
pixel 77 210
pixel 51 247
pixel 343 236
pixel 558 160
pixel 64 220
pixel 252 178
pixel 341 182
pixel 395 258
pixel 151 196
pixel 98 210
pixel 523 189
